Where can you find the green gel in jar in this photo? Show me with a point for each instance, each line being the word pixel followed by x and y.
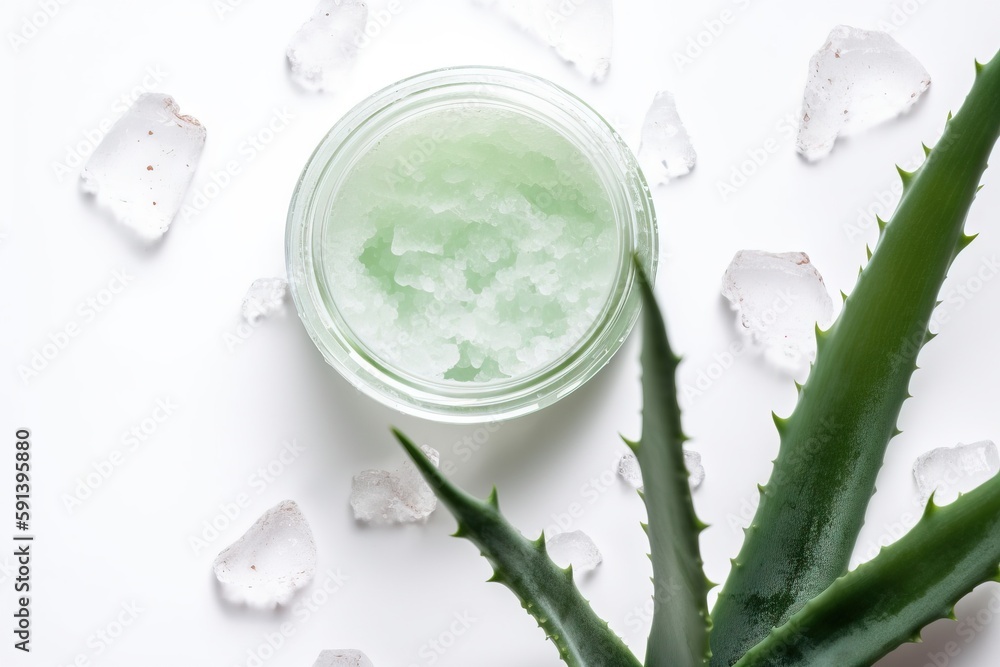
pixel 460 246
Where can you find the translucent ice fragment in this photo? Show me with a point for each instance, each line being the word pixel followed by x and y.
pixel 342 658
pixel 275 558
pixel 780 297
pixel 382 497
pixel 264 298
pixel 858 79
pixel 145 163
pixel 628 469
pixel 574 548
pixel 948 471
pixel 665 151
pixel 581 31
pixel 696 471
pixel 324 49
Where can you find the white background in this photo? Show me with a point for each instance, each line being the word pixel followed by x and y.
pixel 164 335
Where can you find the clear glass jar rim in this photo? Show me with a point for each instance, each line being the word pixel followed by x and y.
pixel 634 218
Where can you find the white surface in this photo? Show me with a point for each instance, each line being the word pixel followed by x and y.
pixel 164 335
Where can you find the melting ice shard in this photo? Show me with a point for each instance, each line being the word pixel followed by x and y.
pixel 574 548
pixel 858 79
pixel 780 297
pixel 265 297
pixel 342 658
pixel 949 471
pixel 581 32
pixel 696 471
pixel 324 49
pixel 665 152
pixel 382 497
pixel 275 558
pixel 628 469
pixel 143 166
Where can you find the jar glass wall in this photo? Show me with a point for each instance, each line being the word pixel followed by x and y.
pixel 460 245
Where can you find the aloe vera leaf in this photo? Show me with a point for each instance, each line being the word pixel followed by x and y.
pixel 681 624
pixel 545 590
pixel 833 444
pixel 888 600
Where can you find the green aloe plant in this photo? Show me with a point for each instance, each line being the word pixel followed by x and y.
pixel 789 599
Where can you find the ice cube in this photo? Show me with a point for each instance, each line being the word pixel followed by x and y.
pixel 581 32
pixel 272 560
pixel 858 79
pixel 948 471
pixel 342 658
pixel 628 469
pixel 574 548
pixel 696 471
pixel 144 164
pixel 265 297
pixel 383 497
pixel 780 297
pixel 665 151
pixel 324 49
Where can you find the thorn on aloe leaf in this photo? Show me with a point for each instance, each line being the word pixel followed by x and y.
pixel 906 176
pixel 546 590
pixel 779 422
pixel 859 383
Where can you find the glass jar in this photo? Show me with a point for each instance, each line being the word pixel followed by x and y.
pixel 360 130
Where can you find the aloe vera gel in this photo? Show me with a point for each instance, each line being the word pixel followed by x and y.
pixel 464 250
pixel 472 244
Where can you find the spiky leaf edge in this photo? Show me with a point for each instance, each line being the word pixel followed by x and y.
pixel 545 590
pixel 679 636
